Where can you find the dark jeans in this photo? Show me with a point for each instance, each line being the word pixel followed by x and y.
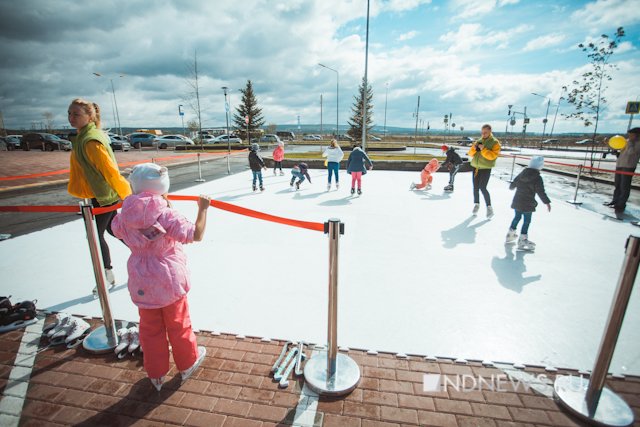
pixel 257 175
pixel 525 224
pixel 333 167
pixel 480 181
pixel 277 165
pixel 452 173
pixel 622 187
pixel 103 222
pixel 298 175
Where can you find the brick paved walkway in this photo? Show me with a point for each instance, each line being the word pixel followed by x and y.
pixel 233 388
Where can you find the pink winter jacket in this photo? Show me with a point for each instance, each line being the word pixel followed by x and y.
pixel 157 267
pixel 278 154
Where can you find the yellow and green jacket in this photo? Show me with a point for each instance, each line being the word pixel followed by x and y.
pixel 485 158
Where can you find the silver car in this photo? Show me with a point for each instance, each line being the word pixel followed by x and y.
pixel 166 141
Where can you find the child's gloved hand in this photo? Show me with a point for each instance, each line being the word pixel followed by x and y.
pixel 204 202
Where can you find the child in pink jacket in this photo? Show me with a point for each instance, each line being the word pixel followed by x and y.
pixel 426 177
pixel 278 157
pixel 158 276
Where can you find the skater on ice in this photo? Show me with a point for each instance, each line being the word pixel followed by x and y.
pixel 94 173
pixel 426 176
pixel 256 163
pixel 278 157
pixel 158 276
pixel 300 171
pixel 357 165
pixel 626 163
pixel 527 184
pixel 334 156
pixel 452 163
pixel 483 153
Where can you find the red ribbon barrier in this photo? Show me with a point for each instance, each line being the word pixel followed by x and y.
pixel 39 208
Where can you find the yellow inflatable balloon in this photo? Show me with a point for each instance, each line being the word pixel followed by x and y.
pixel 617 142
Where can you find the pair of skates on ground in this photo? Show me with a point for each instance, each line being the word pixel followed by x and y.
pixel 16 316
pixel 66 329
pixel 128 341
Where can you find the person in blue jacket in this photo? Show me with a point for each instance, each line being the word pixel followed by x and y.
pixel 356 167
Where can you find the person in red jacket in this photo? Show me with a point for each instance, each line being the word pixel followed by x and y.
pixel 278 157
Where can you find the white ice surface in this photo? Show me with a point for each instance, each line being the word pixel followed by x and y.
pixel 418 273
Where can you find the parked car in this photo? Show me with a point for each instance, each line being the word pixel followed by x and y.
pixel 206 139
pixel 119 142
pixel 345 137
pixel 374 138
pixel 311 138
pixel 467 140
pixel 141 139
pixel 226 139
pixel 584 141
pixel 166 141
pixel 286 135
pixel 44 142
pixel 550 141
pixel 13 141
pixel 270 138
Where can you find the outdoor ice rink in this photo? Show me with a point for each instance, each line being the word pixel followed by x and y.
pixel 417 273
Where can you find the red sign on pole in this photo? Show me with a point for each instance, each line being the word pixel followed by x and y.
pixel 246 119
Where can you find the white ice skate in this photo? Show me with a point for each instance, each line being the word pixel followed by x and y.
pixel 489 212
pixel 412 186
pixel 328 187
pixel 157 382
pixel 60 320
pixel 77 333
pixel 202 351
pixel 476 208
pixel 110 282
pixel 511 236
pixel 525 244
pixel 121 349
pixel 134 341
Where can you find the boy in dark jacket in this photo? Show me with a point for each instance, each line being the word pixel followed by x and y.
pixel 527 184
pixel 299 171
pixel 452 163
pixel 256 164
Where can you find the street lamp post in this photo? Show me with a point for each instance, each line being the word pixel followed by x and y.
pixel 386 95
pixel 364 90
pixel 181 113
pixel 544 129
pixel 557 108
pixel 226 108
pixel 113 91
pixel 321 115
pixel 337 95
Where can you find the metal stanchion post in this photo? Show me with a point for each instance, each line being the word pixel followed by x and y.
pixel 513 165
pixel 336 374
pixel 199 171
pixel 575 196
pixel 589 399
pixel 102 339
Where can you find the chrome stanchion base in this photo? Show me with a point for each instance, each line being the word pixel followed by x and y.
pixel 611 411
pixel 344 381
pixel 198 180
pixel 98 342
pixel 574 202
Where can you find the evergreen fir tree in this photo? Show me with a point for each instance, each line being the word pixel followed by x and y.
pixel 355 122
pixel 248 107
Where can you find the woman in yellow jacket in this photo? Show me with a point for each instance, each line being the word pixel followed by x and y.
pixel 94 172
pixel 483 153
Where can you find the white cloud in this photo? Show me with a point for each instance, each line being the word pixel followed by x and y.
pixel 403 5
pixel 625 47
pixel 465 9
pixel 544 42
pixel 470 37
pixel 607 15
pixel 407 36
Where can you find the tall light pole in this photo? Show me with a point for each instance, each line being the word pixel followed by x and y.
pixel 544 129
pixel 321 114
pixel 337 95
pixel 226 108
pixel 364 90
pixel 181 113
pixel 113 91
pixel 560 98
pixel 415 134
pixel 386 95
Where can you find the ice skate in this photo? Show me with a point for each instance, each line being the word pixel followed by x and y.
pixel 254 188
pixel 353 190
pixel 262 188
pixel 110 281
pixel 281 173
pixel 511 236
pixel 16 316
pixel 274 172
pixel 77 333
pixel 134 340
pixel 525 244
pixel 157 382
pixel 476 208
pixel 337 185
pixel 202 351
pixel 449 188
pixel 359 192
pixel 412 186
pixel 123 343
pixel 298 185
pixel 489 212
pixel 291 183
pixel 328 187
pixel 62 320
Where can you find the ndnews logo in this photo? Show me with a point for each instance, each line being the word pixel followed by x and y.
pixel 433 383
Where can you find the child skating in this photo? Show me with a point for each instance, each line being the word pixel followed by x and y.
pixel 300 171
pixel 452 163
pixel 356 166
pixel 256 163
pixel 334 156
pixel 527 184
pixel 278 157
pixel 158 276
pixel 426 176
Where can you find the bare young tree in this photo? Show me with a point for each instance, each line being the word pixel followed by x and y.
pixel 587 94
pixel 192 97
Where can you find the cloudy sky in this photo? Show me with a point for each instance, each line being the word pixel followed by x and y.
pixel 470 58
